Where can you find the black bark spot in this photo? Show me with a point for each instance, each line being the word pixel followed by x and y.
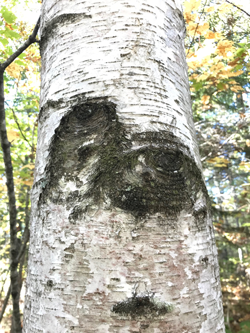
pixel 141 306
pixel 49 283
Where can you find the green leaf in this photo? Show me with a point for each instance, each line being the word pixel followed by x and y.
pixel 8 16
pixel 197 85
pixel 14 34
pixel 220 85
pixel 237 68
pixel 4 41
pixel 240 51
pixel 20 62
pixel 22 55
pixel 9 33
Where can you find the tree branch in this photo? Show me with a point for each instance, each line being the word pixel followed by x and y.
pixel 20 256
pixel 5 303
pixel 32 39
pixel 190 45
pixel 18 125
pixel 238 8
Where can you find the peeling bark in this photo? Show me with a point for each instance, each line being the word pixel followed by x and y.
pixel 121 231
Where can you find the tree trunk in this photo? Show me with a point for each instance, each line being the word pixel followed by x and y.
pixel 121 232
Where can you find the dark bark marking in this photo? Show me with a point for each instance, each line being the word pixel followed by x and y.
pixel 61 20
pixel 158 176
pixel 141 306
pixel 50 283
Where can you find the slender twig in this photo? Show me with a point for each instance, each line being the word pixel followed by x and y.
pixel 238 8
pixel 196 28
pixel 20 258
pixel 15 254
pixel 5 303
pixel 18 125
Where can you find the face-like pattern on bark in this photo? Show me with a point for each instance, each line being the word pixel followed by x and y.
pixel 142 173
pixel 149 177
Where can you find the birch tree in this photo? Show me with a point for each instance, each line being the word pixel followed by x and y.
pixel 121 231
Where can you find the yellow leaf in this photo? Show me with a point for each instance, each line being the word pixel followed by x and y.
pixel 213 35
pixel 14 70
pixel 215 69
pixel 28 182
pixel 31 166
pixel 202 77
pixel 18 181
pixel 205 99
pixel 237 73
pixel 244 166
pixel 248 143
pixel 12 135
pixel 224 8
pixel 191 27
pixel 192 5
pixel 237 88
pixel 224 46
pixel 190 17
pixel 202 28
pixel 210 9
pixel 219 162
pixel 210 35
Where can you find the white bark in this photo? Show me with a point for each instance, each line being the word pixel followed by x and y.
pixel 121 236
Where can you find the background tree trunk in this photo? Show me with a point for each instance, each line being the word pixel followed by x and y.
pixel 121 233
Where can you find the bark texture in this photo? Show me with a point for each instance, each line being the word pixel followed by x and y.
pixel 121 233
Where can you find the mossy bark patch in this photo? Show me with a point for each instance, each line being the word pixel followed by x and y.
pixel 141 306
pixel 142 173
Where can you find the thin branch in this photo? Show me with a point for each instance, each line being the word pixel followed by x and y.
pixel 196 28
pixel 5 303
pixel 21 254
pixel 12 208
pixel 238 8
pixel 32 39
pixel 19 127
pixel 19 258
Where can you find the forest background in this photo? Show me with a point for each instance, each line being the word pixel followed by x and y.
pixel 218 56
